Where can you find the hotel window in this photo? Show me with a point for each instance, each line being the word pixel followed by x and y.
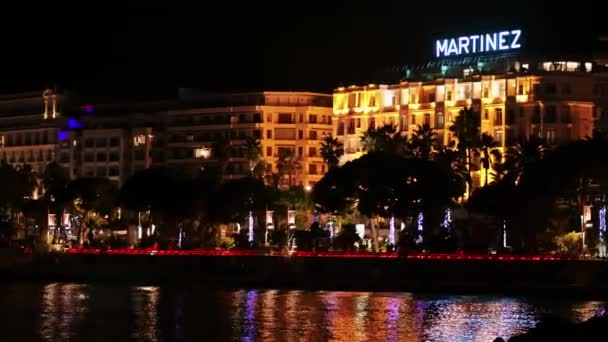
pixel 371 123
pixel 566 118
pixel 340 130
pixel 403 122
pixel 499 135
pixel 312 169
pixel 114 142
pixel 139 155
pixel 431 98
pixel 257 134
pixel 550 136
pixel 50 155
pixel 550 115
pixel 285 118
pixel 413 122
pixel 329 119
pixel 101 142
pixel 486 92
pixel 312 152
pixel 313 135
pixel 440 123
pixel 64 157
pixel 372 101
pixel 114 156
pixel 510 117
pixel 358 123
pixel 394 101
pixel 498 116
pixel 448 96
pixel 89 142
pixel 268 134
pixel 312 118
pixel 257 118
pixel 101 157
pixel 101 171
pixel 300 151
pixel 486 114
pixel 268 151
pixel 300 134
pixel 536 115
pixel 322 119
pixel 520 89
pixel 88 157
pixel 40 156
pixel 269 117
pixel 427 119
pixel 351 127
pixel 114 172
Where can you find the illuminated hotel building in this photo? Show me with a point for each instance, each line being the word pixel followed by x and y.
pixel 557 100
pixel 294 121
pixel 28 129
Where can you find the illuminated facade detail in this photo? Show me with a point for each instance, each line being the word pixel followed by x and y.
pixel 391 232
pixel 602 231
pixel 250 227
pixel 447 220
pixel 504 234
pixel 420 223
pixel 284 123
pixel 478 43
pixel 202 152
pixel 557 106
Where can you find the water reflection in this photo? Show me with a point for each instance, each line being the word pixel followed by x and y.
pixel 63 307
pixel 145 311
pixel 73 312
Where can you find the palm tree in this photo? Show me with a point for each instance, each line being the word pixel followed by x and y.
pixel 423 141
pixel 487 146
pixel 252 150
pixel 56 181
pixel 222 150
pixel 331 151
pixel 466 129
pixel 524 154
pixel 384 139
pixel 288 164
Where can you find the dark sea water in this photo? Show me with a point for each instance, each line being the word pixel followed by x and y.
pixel 118 312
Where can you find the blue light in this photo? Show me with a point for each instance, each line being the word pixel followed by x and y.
pixel 87 108
pixel 420 228
pixel 602 232
pixel 74 124
pixel 62 135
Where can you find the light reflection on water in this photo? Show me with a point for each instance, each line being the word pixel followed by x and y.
pixel 76 312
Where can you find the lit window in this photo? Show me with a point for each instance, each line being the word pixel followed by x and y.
pixel 202 153
pixel 139 140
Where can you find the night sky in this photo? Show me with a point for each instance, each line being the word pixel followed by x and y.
pixel 275 45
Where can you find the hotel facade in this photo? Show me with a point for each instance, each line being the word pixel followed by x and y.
pixel 516 96
pixel 118 139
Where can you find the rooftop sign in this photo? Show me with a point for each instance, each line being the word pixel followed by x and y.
pixel 478 43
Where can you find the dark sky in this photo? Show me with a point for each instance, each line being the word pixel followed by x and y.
pixel 277 45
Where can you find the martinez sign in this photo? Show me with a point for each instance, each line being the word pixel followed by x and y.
pixel 487 42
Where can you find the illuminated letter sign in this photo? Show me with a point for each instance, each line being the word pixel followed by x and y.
pixel 485 42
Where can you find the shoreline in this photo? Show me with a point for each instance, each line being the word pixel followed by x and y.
pixel 555 278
